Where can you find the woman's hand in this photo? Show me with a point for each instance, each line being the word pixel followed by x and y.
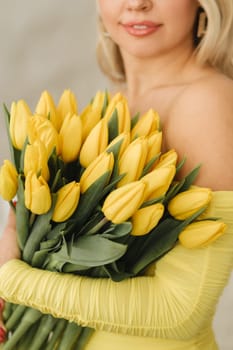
pixel 8 250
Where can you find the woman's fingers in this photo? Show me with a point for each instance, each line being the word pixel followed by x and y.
pixel 2 328
pixel 8 241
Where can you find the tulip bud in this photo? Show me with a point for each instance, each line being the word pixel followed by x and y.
pixel 201 233
pixel 67 201
pixel 37 194
pixel 19 116
pixel 8 181
pixel 168 158
pixel 112 105
pixel 158 181
pixel 124 138
pixel 122 203
pixel 46 108
pixel 187 203
pixel 100 165
pixel 41 128
pixel 120 104
pixel 95 143
pixel 145 219
pixel 36 159
pixel 154 145
pixel 133 161
pixel 67 105
pixel 70 138
pixel 147 124
pixel 91 114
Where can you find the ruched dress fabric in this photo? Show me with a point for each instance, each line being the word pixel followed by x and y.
pixel 171 308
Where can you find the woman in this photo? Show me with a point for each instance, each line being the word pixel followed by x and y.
pixel 174 56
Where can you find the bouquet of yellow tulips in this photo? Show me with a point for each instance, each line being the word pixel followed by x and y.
pixel 94 196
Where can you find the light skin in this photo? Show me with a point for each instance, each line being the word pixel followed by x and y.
pixel 161 70
pixel 195 102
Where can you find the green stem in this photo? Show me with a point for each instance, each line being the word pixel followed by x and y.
pixel 30 317
pixel 57 333
pixel 7 312
pixel 70 336
pixel 46 326
pixel 97 227
pixel 39 230
pixel 15 317
pixel 84 337
pixel 25 342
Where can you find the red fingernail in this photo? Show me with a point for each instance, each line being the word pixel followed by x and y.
pixel 2 335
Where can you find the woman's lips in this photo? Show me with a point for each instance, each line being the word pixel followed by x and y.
pixel 141 28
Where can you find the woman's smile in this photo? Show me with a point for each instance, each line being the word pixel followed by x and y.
pixel 142 28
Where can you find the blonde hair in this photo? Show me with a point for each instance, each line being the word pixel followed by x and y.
pixel 215 48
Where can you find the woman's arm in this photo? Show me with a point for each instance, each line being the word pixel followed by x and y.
pixel 177 302
pixel 8 241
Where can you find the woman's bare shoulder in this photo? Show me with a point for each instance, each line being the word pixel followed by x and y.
pixel 215 91
pixel 202 119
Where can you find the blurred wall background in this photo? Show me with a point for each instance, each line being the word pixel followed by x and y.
pixel 51 45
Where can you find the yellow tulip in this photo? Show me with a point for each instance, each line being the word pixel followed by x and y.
pixel 8 180
pixel 168 158
pixel 40 128
pixel 95 143
pixel 145 219
pixel 187 203
pixel 70 138
pixel 19 116
pixel 154 145
pixel 67 105
pixel 201 233
pixel 133 161
pixel 46 108
pixel 100 165
pixel 112 105
pixel 67 201
pixel 37 194
pixel 36 159
pixel 120 104
pixel 147 124
pixel 124 138
pixel 122 203
pixel 158 181
pixel 91 114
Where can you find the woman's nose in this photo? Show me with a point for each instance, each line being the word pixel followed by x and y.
pixel 139 5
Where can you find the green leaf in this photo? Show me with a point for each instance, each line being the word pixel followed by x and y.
pixel 15 153
pixel 112 271
pixel 115 148
pixel 160 240
pixel 105 104
pixel 113 126
pixel 149 165
pixel 22 215
pixel 180 165
pixel 94 220
pixel 58 230
pixel 116 231
pixel 90 251
pixel 134 120
pixel 89 200
pixel 190 178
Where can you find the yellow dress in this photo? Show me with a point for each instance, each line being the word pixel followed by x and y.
pixel 170 309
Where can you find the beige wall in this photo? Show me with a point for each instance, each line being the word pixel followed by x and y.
pixel 50 44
